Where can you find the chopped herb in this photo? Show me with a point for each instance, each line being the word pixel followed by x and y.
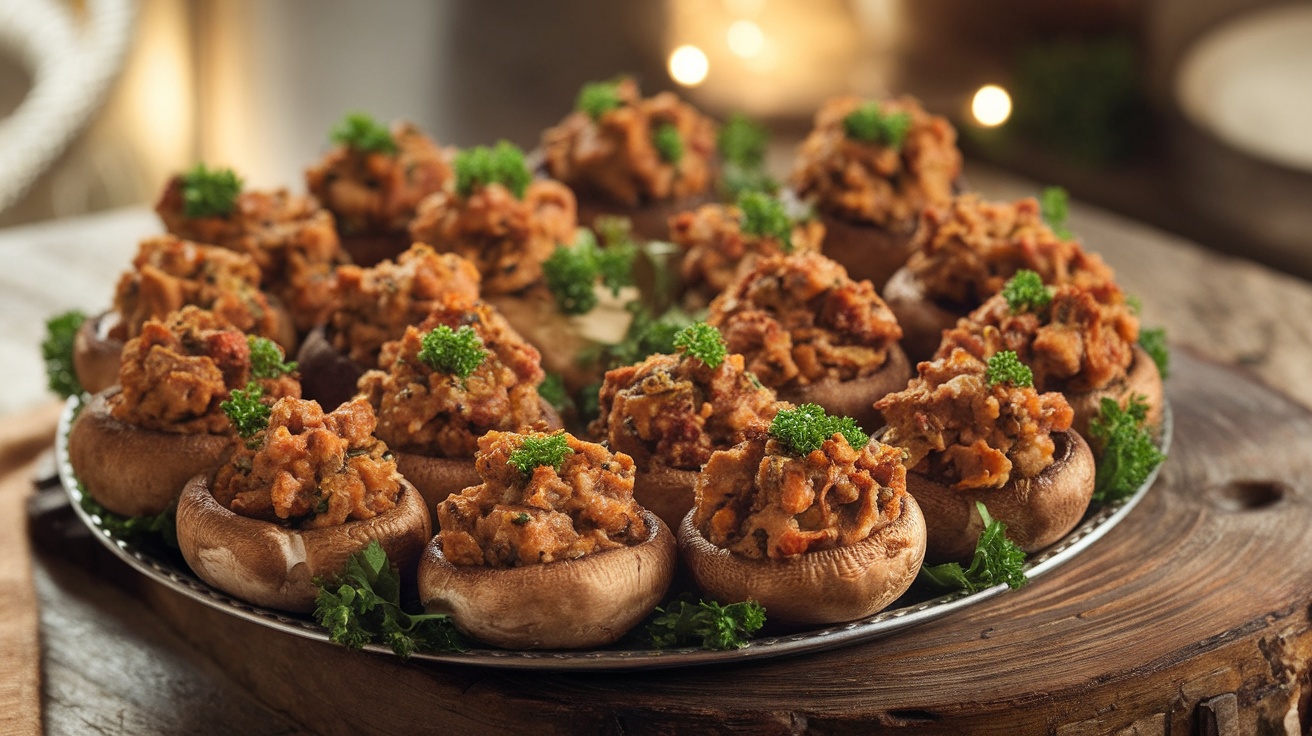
pixel 248 415
pixel 869 124
pixel 806 428
pixel 520 519
pixel 668 142
pixel 160 525
pixel 1025 292
pixel 1153 342
pixel 209 192
pixel 57 351
pixel 997 560
pixel 765 216
pixel 1005 367
pixel 455 352
pixel 706 624
pixel 502 164
pixel 703 342
pixel 363 605
pixel 1128 454
pixel 598 98
pixel 571 272
pixel 540 449
pixel 1054 204
pixel 361 132
pixel 267 358
pixel 742 142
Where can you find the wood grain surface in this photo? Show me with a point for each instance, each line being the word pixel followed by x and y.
pixel 1199 598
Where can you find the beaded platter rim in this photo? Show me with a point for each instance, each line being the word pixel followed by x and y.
pixel 1096 523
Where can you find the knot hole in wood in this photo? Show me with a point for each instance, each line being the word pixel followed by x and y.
pixel 1249 495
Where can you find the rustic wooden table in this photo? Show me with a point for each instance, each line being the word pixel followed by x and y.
pixel 1191 616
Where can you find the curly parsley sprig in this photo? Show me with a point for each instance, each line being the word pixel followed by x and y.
pixel 869 124
pixel 687 622
pixel 571 272
pixel 537 450
pixel 1005 367
pixel 766 216
pixel 456 352
pixel 805 429
pixel 248 415
pixel 501 164
pixel 1128 454
pixel 267 359
pixel 1054 205
pixel 598 98
pixel 1153 342
pixel 997 560
pixel 668 142
pixel 361 132
pixel 1026 292
pixel 209 192
pixel 703 342
pixel 57 352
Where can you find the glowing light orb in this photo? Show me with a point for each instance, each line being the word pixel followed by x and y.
pixel 746 39
pixel 991 106
pixel 689 66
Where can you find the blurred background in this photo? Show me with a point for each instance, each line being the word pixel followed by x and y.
pixel 1191 115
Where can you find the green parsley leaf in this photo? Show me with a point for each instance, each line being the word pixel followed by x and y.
pixel 703 342
pixel 1025 292
pixel 598 98
pixel 668 142
pixel 805 429
pixel 706 624
pixel 1153 341
pixel 363 605
pixel 209 192
pixel 502 164
pixel 1054 204
pixel 267 358
pixel 766 216
pixel 540 449
pixel 743 142
pixel 248 415
pixel 455 352
pixel 869 124
pixel 57 352
pixel 997 560
pixel 133 528
pixel 361 132
pixel 1005 367
pixel 571 272
pixel 1128 453
pixel 552 390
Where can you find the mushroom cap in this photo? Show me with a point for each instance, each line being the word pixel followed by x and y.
pixel 667 492
pixel 813 588
pixel 590 601
pixel 96 356
pixel 327 376
pixel 1142 379
pixel 274 566
pixel 922 319
pixel 437 477
pixel 856 398
pixel 132 470
pixel 867 251
pixel 1037 511
pixel 649 220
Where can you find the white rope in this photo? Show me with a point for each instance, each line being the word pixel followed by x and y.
pixel 71 71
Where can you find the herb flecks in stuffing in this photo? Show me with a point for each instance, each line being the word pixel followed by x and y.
pixel 869 124
pixel 501 164
pixel 706 624
pixel 1005 367
pixel 209 192
pixel 997 560
pixel 267 359
pixel 456 352
pixel 1128 454
pixel 57 351
pixel 361 132
pixel 1026 292
pixel 806 428
pixel 703 342
pixel 364 606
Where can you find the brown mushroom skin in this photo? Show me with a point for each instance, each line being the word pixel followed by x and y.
pixel 1141 379
pixel 868 252
pixel 814 588
pixel 568 604
pixel 922 319
pixel 327 376
pixel 1037 511
pixel 667 492
pixel 96 355
pixel 275 567
pixel 135 471
pixel 856 398
pixel 649 220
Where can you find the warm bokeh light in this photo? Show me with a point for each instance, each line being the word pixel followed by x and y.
pixel 746 39
pixel 689 66
pixel 991 105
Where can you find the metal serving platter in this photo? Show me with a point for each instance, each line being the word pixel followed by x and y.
pixel 901 615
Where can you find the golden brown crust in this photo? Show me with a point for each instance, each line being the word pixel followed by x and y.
pixel 96 355
pixel 135 471
pixel 815 588
pixel 568 604
pixel 1037 511
pixel 274 566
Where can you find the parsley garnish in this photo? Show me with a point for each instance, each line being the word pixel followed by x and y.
pixel 1153 342
pixel 668 142
pixel 1005 367
pixel 806 428
pixel 57 351
pixel 502 164
pixel 765 216
pixel 869 124
pixel 997 560
pixel 552 390
pixel 703 342
pixel 209 192
pixel 571 272
pixel 361 132
pixel 598 98
pixel 1054 205
pixel 1025 291
pixel 363 605
pixel 707 624
pixel 1129 455
pixel 267 358
pixel 248 415
pixel 742 142
pixel 456 352
pixel 122 527
pixel 540 449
